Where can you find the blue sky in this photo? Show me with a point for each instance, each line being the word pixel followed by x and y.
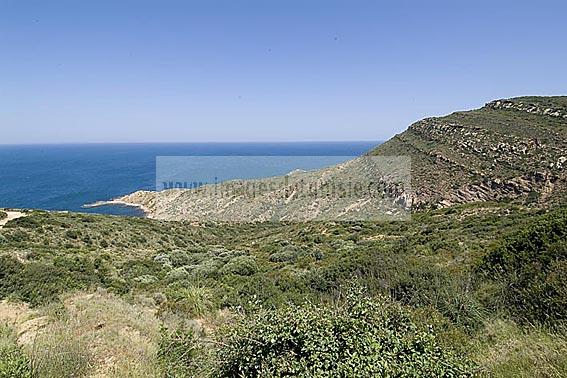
pixel 269 70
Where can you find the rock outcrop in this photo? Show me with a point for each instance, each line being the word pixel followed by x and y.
pixel 529 107
pixel 508 150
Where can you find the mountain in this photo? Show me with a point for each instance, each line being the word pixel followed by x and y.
pixel 514 149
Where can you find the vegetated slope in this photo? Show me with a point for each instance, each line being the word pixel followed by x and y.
pixel 528 270
pixel 45 253
pixel 206 283
pixel 509 149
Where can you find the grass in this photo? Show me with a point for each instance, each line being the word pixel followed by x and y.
pixel 118 338
pixel 505 349
pixel 86 334
pixel 59 351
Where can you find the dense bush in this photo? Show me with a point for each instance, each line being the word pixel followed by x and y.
pixel 3 215
pixel 40 282
pixel 358 338
pixel 241 265
pixel 287 254
pixel 530 267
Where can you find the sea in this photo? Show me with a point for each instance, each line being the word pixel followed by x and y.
pixel 67 177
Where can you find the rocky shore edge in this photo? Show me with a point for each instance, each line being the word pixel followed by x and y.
pixel 120 202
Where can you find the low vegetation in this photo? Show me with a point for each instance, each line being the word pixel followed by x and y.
pixel 13 361
pixel 358 337
pixel 468 290
pixel 529 271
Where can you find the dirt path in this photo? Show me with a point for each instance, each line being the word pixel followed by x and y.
pixel 11 216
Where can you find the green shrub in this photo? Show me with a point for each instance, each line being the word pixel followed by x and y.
pixel 241 265
pixel 40 282
pixel 139 267
pixel 17 236
pixel 288 254
pixel 72 234
pixel 361 337
pixel 207 269
pixel 530 267
pixel 177 274
pixel 146 279
pixel 13 362
pixel 180 258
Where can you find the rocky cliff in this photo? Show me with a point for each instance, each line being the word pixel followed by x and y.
pixel 513 149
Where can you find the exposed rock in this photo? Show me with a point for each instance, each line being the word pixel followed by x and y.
pixel 533 108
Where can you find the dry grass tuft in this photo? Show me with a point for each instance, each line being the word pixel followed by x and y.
pixel 506 350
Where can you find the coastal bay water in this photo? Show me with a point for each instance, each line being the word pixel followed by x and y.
pixel 66 177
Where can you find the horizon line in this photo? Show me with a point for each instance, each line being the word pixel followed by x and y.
pixel 197 142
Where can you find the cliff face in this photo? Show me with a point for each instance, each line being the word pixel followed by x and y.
pixel 509 149
pixel 512 149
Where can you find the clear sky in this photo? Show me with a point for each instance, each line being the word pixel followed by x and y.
pixel 265 70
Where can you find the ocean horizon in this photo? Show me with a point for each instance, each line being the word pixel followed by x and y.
pixel 65 177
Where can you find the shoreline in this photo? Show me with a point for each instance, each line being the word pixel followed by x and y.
pixel 145 210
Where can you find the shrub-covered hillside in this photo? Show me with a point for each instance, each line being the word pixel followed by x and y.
pixel 237 298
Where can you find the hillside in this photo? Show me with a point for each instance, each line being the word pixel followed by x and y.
pixel 80 290
pixel 365 188
pixel 512 149
pixel 508 149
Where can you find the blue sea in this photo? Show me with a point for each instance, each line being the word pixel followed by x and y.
pixel 66 177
